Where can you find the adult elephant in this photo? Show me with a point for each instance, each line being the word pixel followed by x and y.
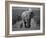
pixel 26 17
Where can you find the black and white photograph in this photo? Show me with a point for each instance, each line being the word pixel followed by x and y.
pixel 25 18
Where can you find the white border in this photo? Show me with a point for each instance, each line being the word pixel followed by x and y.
pixel 31 31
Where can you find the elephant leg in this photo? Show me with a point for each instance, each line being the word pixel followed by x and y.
pixel 27 24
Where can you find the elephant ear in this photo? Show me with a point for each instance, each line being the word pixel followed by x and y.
pixel 32 14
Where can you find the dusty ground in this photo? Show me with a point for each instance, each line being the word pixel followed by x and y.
pixel 34 26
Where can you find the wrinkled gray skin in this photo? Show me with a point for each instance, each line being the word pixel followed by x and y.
pixel 26 17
